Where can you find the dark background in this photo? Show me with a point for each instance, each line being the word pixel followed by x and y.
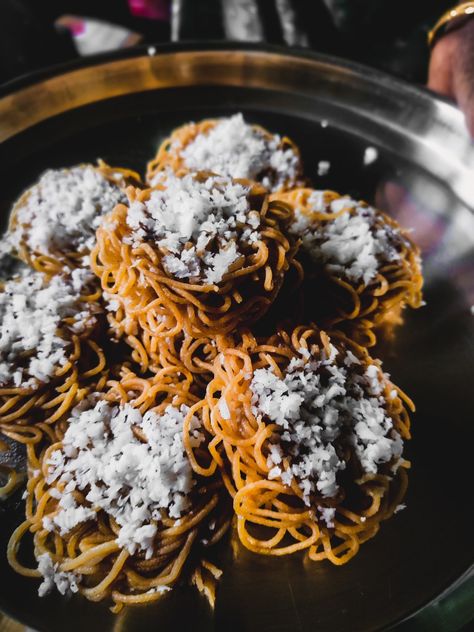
pixel 388 34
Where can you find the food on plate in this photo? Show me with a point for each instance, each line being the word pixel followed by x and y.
pixel 114 507
pixel 230 147
pixel 197 253
pixel 50 349
pixel 308 434
pixel 191 353
pixel 361 268
pixel 54 221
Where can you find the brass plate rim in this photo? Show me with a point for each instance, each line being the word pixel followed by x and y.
pixel 180 65
pixel 385 101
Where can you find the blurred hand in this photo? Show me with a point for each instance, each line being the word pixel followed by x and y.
pixel 451 70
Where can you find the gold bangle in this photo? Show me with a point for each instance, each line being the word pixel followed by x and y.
pixel 463 10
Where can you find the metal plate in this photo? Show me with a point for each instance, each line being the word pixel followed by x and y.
pixel 119 109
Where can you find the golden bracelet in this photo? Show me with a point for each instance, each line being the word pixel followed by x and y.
pixel 463 10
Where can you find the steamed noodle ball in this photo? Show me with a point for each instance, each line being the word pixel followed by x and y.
pixel 54 222
pixel 361 268
pixel 115 510
pixel 308 435
pixel 50 357
pixel 198 253
pixel 230 147
pixel 153 353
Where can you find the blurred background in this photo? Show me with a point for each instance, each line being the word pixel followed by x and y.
pixel 387 34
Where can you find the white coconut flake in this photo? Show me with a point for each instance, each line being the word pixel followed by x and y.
pixel 327 515
pixel 31 312
pixel 370 155
pixel 375 385
pixel 323 167
pixel 161 590
pixel 372 438
pixel 237 149
pixel 350 358
pixel 321 405
pixel 111 302
pixel 66 583
pixel 353 245
pixel 62 211
pixel 275 472
pixel 203 227
pixel 302 406
pixel 132 481
pixel 400 508
pixel 224 408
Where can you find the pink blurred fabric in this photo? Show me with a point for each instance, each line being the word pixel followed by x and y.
pixel 77 26
pixel 151 9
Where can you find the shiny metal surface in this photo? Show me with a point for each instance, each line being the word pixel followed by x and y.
pixel 423 175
